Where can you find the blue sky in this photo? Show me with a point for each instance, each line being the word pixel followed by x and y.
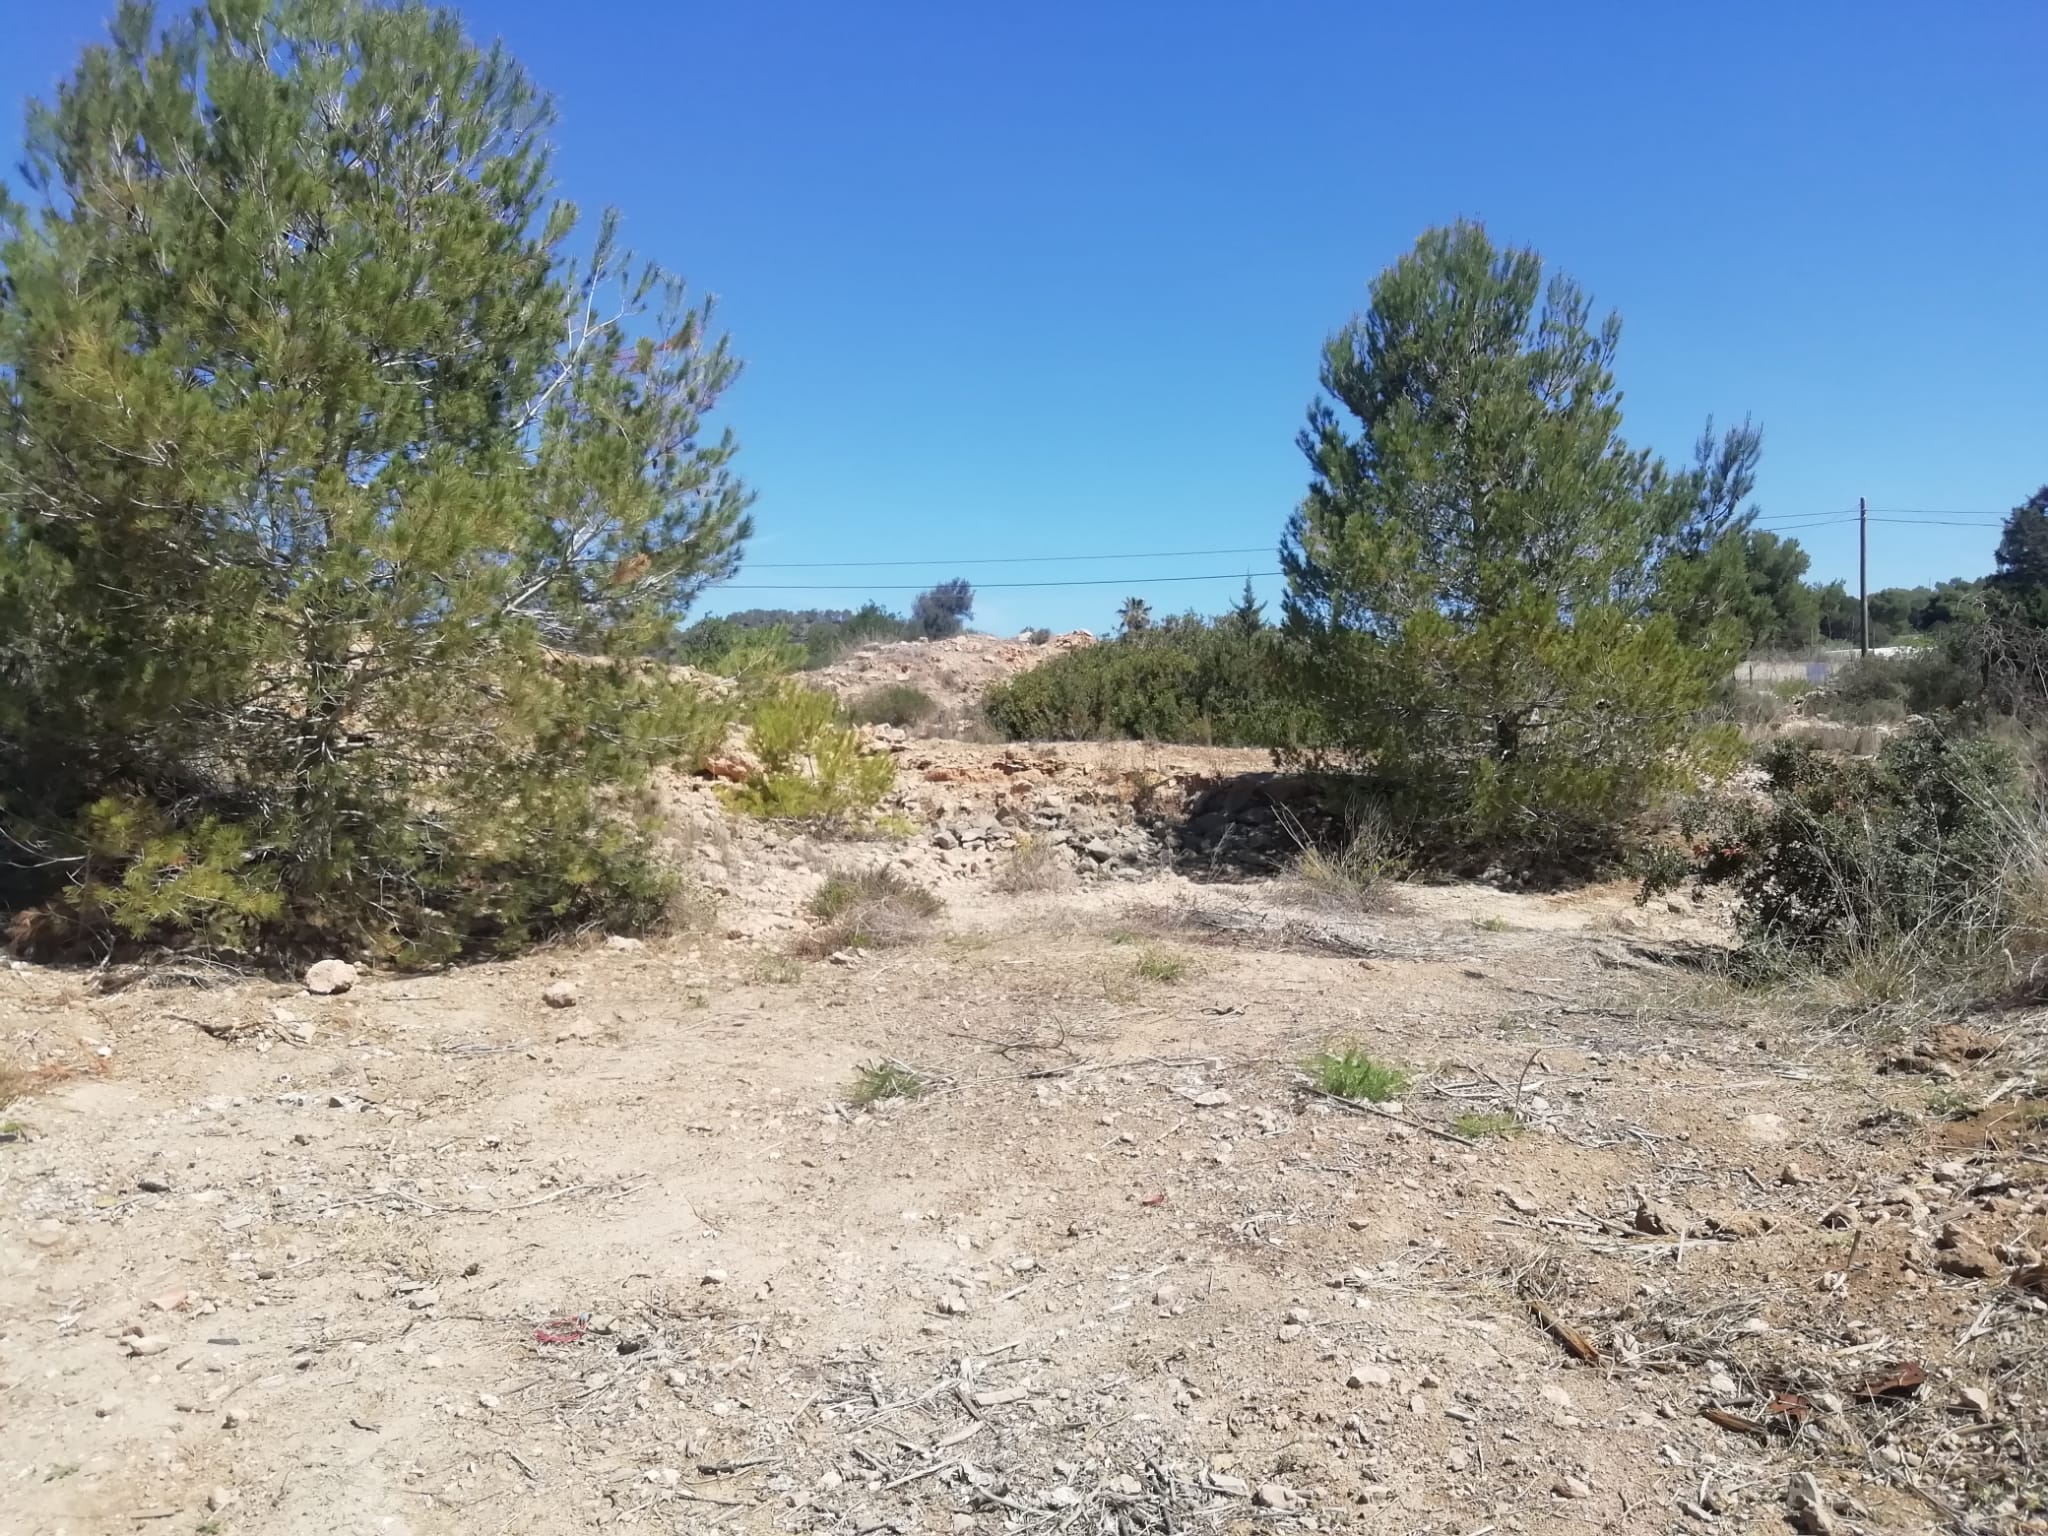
pixel 1026 280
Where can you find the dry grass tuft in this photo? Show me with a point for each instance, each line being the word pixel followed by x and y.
pixel 1357 875
pixel 869 909
pixel 1036 866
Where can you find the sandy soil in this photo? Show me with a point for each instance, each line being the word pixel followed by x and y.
pixel 433 1257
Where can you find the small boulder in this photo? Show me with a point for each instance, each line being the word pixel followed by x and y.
pixel 559 994
pixel 326 978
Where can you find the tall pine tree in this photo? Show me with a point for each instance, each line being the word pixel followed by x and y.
pixel 1475 575
pixel 327 478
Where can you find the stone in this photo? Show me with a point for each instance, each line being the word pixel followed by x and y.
pixel 235 1418
pixel 623 942
pixel 1569 1487
pixel 1274 1496
pixel 953 1305
pixel 1458 1459
pixel 1764 1129
pixel 1210 1098
pixel 107 1406
pixel 1806 1508
pixel 219 1499
pixel 1128 1486
pixel 1658 1220
pixel 1299 1316
pixel 487 1401
pixel 153 1184
pixel 676 1377
pixel 1166 1294
pixel 145 1344
pixel 1977 1400
pixel 326 978
pixel 559 994
pixel 1369 1376
pixel 713 1277
pixel 1792 1173
pixel 1223 1482
pixel 1556 1396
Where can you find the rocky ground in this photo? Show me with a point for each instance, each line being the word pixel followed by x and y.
pixel 954 673
pixel 603 1237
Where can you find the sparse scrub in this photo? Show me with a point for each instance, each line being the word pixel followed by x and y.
pixel 1918 877
pixel 1037 864
pixel 1161 965
pixel 1493 922
pixel 896 704
pixel 885 1079
pixel 1349 1073
pixel 869 909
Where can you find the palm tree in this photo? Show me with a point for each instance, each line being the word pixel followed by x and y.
pixel 1135 616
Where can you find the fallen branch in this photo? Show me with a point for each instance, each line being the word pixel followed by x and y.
pixel 1374 1109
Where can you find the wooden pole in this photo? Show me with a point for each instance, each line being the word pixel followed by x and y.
pixel 1863 565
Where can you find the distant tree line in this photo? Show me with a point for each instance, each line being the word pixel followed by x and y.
pixel 819 636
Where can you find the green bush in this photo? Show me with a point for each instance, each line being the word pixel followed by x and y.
pixel 1185 680
pixel 1926 861
pixel 896 704
pixel 1349 1073
pixel 812 767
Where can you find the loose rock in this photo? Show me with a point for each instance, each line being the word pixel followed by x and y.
pixel 559 994
pixel 325 978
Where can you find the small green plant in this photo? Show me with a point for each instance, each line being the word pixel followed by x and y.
pixel 1159 965
pixel 1349 1073
pixel 812 768
pixel 1493 922
pixel 1951 1104
pixel 1123 936
pixel 895 826
pixel 885 1079
pixel 777 971
pixel 896 704
pixel 1478 1127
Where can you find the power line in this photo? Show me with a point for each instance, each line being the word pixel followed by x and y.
pixel 990 586
pixel 1156 554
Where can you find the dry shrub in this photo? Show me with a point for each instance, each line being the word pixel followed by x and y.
pixel 1359 872
pixel 869 909
pixel 1037 865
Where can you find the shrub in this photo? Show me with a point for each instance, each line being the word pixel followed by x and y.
pixel 870 909
pixel 1038 637
pixel 1477 1127
pixel 1184 680
pixel 812 768
pixel 1349 1073
pixel 896 704
pixel 1924 869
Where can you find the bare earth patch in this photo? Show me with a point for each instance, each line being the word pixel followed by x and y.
pixel 432 1256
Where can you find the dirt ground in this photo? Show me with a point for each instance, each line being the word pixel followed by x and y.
pixel 432 1256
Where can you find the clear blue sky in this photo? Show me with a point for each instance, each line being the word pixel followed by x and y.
pixel 1051 278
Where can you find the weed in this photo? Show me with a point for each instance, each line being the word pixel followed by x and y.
pixel 896 826
pixel 1159 965
pixel 1478 1127
pixel 1037 865
pixel 777 971
pixel 1123 936
pixel 885 1079
pixel 1492 923
pixel 1349 1073
pixel 1951 1104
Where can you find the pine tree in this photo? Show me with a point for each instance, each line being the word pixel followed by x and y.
pixel 1248 617
pixel 325 466
pixel 2021 577
pixel 944 610
pixel 1473 576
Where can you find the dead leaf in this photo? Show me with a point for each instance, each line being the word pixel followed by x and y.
pixel 1576 1343
pixel 1901 1380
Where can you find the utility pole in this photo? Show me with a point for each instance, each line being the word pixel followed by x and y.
pixel 1863 565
